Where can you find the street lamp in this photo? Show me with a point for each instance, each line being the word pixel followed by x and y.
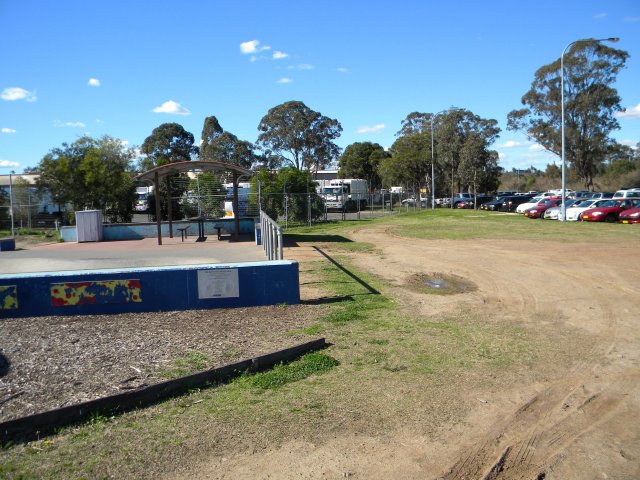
pixel 563 208
pixel 13 235
pixel 433 176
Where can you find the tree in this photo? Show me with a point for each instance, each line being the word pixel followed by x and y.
pixel 91 174
pixel 298 136
pixel 462 156
pixel 462 145
pixel 289 191
pixel 219 145
pixel 590 106
pixel 168 143
pixel 362 160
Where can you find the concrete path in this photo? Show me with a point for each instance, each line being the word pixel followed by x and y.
pixel 131 253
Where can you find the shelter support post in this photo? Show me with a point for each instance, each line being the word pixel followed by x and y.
pixel 169 209
pixel 236 211
pixel 156 186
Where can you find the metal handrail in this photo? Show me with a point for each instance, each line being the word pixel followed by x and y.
pixel 271 237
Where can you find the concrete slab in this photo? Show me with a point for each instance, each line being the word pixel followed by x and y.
pixel 129 253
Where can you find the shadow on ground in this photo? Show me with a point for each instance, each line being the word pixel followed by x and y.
pixel 293 239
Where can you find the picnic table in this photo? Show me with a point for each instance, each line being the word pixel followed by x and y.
pixel 218 224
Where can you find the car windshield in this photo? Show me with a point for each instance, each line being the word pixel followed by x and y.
pixel 585 203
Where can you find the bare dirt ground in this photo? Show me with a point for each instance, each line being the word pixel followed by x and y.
pixel 581 422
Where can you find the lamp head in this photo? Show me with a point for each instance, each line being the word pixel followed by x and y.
pixel 613 39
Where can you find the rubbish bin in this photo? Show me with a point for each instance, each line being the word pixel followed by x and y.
pixel 89 226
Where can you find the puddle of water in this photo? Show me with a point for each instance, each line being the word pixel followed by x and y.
pixel 437 283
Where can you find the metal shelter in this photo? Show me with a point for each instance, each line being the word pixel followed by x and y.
pixel 156 174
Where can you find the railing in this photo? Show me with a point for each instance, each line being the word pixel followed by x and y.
pixel 271 234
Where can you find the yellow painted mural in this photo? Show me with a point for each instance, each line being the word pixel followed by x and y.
pixel 96 292
pixel 8 297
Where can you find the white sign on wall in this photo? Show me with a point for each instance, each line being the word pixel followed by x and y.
pixel 218 283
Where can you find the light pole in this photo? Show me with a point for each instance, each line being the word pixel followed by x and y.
pixel 563 208
pixel 433 176
pixel 13 235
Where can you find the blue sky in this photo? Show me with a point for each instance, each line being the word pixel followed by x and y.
pixel 122 68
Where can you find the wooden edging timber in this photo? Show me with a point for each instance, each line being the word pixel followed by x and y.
pixel 42 424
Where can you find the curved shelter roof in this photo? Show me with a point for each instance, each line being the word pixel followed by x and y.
pixel 155 174
pixel 188 166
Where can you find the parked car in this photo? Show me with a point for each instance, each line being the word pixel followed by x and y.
pixel 412 201
pixel 627 193
pixel 553 212
pixel 538 211
pixel 601 194
pixel 609 210
pixel 533 202
pixel 573 213
pixel 493 205
pixel 479 200
pixel 512 202
pixel 631 215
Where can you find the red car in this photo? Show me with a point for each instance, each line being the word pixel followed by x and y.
pixel 609 210
pixel 630 215
pixel 538 210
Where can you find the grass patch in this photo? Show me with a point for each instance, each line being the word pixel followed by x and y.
pixel 190 363
pixel 315 363
pixel 447 224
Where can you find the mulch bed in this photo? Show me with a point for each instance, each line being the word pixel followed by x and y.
pixel 51 362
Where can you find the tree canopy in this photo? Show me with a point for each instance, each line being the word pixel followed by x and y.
pixel 222 146
pixel 293 134
pixel 362 160
pixel 91 174
pixel 168 143
pixel 590 106
pixel 462 153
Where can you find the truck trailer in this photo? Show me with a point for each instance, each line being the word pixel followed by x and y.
pixel 345 194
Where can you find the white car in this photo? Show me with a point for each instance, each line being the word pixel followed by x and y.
pixel 573 213
pixel 530 204
pixel 554 212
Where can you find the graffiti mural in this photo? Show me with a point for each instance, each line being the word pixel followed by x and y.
pixel 8 297
pixel 95 293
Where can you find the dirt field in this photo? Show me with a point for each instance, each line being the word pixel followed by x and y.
pixel 570 417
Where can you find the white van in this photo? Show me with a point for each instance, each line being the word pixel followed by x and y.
pixel 627 193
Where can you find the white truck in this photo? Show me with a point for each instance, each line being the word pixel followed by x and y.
pixel 348 194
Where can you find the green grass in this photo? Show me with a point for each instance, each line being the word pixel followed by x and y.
pixel 315 363
pixel 383 367
pixel 192 362
pixel 447 224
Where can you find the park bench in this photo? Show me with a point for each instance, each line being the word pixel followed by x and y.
pixel 183 232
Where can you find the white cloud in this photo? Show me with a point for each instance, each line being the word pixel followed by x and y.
pixel 277 55
pixel 502 155
pixel 342 69
pixel 598 16
pixel 301 66
pixel 632 19
pixel 511 144
pixel 11 94
pixel 7 130
pixel 285 80
pixel 374 129
pixel 253 46
pixel 536 147
pixel 58 123
pixel 172 107
pixel 630 143
pixel 94 82
pixel 8 163
pixel 631 112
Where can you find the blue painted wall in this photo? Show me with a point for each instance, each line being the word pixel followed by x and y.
pixel 136 231
pixel 160 289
